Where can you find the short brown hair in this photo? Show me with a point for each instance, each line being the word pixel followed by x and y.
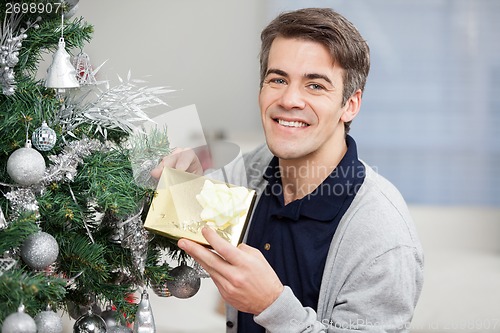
pixel 327 27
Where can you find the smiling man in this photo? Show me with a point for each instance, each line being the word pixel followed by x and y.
pixel 331 246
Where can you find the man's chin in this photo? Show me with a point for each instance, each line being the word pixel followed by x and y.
pixel 285 153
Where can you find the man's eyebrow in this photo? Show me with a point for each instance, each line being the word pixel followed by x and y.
pixel 314 76
pixel 276 71
pixel 311 76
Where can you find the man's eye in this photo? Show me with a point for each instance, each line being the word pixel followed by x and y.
pixel 276 81
pixel 315 86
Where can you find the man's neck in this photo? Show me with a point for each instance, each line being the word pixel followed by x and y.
pixel 299 177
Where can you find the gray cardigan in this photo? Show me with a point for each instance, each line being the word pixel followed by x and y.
pixel 374 269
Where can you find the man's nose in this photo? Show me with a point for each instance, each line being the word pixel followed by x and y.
pixel 292 97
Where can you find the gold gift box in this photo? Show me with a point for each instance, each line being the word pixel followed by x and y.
pixel 175 211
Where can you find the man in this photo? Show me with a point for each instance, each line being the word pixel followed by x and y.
pixel 331 246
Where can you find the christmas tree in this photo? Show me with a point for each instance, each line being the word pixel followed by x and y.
pixel 74 176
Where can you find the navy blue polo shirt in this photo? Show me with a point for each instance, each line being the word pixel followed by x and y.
pixel 295 238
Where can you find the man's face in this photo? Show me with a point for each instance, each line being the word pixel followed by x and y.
pixel 301 100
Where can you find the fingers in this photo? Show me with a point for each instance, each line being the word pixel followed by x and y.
pixel 183 159
pixel 224 256
pixel 208 259
pixel 225 249
pixel 242 274
pixel 156 172
pixel 186 160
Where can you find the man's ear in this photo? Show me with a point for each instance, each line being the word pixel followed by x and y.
pixel 352 106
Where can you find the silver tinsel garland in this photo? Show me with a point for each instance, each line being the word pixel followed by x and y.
pixel 136 239
pixel 64 165
pixel 22 199
pixel 6 264
pixel 11 41
pixel 112 108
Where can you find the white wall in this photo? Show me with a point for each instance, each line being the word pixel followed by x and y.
pixel 207 50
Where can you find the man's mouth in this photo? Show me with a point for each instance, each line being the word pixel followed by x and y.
pixel 286 123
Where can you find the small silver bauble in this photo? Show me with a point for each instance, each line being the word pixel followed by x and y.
pixel 19 322
pixel 161 289
pixel 48 322
pixel 39 250
pixel 26 166
pixel 44 138
pixel 185 283
pixel 89 323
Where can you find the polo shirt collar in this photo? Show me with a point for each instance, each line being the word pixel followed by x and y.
pixel 326 201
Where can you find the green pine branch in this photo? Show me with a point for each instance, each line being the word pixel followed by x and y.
pixel 34 290
pixel 13 236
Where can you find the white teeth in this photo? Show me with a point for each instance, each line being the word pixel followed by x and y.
pixel 291 123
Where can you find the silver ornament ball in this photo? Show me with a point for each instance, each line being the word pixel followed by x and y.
pixel 109 316
pixel 75 311
pixel 44 138
pixel 19 322
pixel 26 166
pixel 185 283
pixel 39 250
pixel 89 323
pixel 48 322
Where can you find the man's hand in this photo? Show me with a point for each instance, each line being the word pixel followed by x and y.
pixel 183 159
pixel 242 274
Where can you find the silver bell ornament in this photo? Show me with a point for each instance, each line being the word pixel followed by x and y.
pixel 19 322
pixel 144 320
pixel 186 281
pixel 61 74
pixel 89 323
pixel 48 322
pixel 44 138
pixel 39 250
pixel 26 166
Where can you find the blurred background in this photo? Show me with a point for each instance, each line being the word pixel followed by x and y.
pixel 430 122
